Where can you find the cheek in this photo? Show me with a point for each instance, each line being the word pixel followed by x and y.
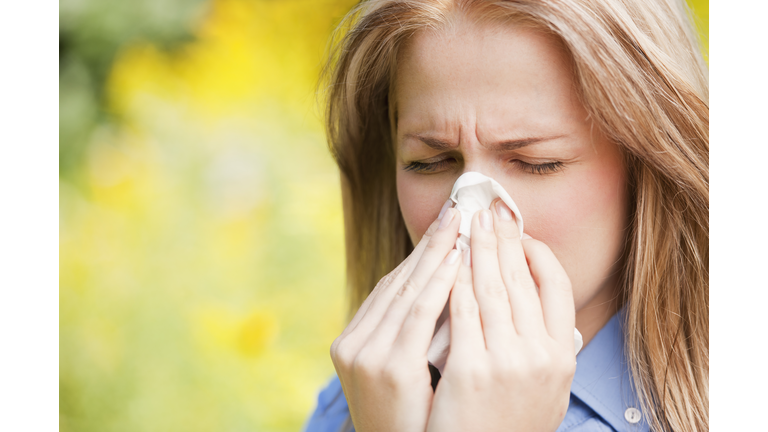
pixel 583 221
pixel 420 202
pixel 574 208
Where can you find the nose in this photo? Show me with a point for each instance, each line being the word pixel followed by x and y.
pixel 486 164
pixel 476 155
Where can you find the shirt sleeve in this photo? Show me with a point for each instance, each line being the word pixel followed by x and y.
pixel 331 411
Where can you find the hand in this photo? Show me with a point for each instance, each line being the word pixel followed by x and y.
pixel 512 359
pixel 381 357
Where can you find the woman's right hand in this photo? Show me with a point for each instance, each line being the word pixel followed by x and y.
pixel 381 356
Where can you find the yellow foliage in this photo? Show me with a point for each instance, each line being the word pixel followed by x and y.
pixel 256 333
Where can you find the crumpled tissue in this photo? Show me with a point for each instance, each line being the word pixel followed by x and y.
pixel 471 193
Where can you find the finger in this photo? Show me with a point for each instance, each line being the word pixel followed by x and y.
pixel 490 292
pixel 375 299
pixel 466 331
pixel 436 251
pixel 379 299
pixel 523 296
pixel 419 326
pixel 555 290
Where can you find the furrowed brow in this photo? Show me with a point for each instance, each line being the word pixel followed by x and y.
pixel 434 143
pixel 507 145
pixel 520 143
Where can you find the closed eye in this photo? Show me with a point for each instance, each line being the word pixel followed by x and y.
pixel 432 167
pixel 429 167
pixel 545 168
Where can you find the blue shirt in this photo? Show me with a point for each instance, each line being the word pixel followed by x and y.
pixel 602 396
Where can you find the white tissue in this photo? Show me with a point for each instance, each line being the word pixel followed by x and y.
pixel 471 193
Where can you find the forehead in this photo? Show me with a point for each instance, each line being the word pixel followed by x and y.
pixel 492 75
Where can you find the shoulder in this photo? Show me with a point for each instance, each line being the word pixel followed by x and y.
pixel 331 411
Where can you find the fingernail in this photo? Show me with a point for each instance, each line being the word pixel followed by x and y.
pixel 503 211
pixel 525 236
pixel 446 219
pixel 486 221
pixel 467 258
pixel 452 257
pixel 446 206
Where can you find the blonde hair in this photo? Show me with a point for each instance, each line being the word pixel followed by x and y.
pixel 643 80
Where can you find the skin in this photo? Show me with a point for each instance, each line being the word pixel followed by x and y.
pixel 511 361
pixel 480 85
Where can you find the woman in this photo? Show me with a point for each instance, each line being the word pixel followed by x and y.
pixel 593 116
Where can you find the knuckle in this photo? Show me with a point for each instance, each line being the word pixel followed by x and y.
pixel 397 271
pixel 485 243
pixel 441 278
pixel 335 347
pixel 391 375
pixel 433 244
pixel 432 229
pixel 360 367
pixel 385 281
pixel 542 357
pixel 542 368
pixel 390 277
pixel 508 233
pixel 341 354
pixel 402 264
pixel 567 366
pixel 464 280
pixel 520 277
pixel 570 368
pixel 562 282
pixel 507 370
pixel 537 373
pixel 366 365
pixel 409 287
pixel 419 310
pixel 479 376
pixel 464 370
pixel 464 310
pixel 495 289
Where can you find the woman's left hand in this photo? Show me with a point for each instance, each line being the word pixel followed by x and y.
pixel 511 360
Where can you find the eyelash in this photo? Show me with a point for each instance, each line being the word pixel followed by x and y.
pixel 540 169
pixel 422 167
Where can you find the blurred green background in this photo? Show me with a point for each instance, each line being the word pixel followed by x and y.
pixel 201 238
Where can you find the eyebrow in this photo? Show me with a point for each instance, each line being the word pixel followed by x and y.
pixel 506 145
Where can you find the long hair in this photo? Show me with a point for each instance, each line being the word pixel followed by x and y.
pixel 643 80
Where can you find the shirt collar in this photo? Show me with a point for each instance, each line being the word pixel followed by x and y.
pixel 602 380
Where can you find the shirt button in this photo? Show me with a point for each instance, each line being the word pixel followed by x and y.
pixel 632 415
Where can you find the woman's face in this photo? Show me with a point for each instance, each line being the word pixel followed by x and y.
pixel 502 101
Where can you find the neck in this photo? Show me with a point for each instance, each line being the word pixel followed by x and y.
pixel 592 317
